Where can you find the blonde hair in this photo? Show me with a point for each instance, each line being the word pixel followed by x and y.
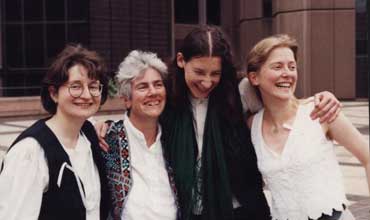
pixel 262 50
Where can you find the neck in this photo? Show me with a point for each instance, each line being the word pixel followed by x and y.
pixel 65 129
pixel 280 113
pixel 149 128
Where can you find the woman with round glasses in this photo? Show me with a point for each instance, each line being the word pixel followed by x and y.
pixel 54 169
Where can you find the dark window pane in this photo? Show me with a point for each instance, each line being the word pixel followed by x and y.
pixel 213 12
pixel 361 47
pixel 33 82
pixel 267 8
pixel 33 10
pixel 23 82
pixel 13 10
pixel 362 77
pixel 186 12
pixel 54 9
pixel 55 36
pixel 34 45
pixel 14 83
pixel 13 43
pixel 77 10
pixel 78 33
pixel 361 6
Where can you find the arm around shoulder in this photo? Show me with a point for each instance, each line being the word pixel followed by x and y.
pixel 250 121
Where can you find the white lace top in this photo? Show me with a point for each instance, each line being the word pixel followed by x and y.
pixel 305 180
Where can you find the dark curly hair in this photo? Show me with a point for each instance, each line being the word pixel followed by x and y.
pixel 57 74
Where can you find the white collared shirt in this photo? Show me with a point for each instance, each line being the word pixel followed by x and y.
pixel 199 107
pixel 151 196
pixel 25 178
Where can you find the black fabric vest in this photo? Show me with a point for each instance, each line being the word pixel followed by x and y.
pixel 65 202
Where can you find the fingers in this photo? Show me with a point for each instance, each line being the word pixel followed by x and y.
pixel 101 130
pixel 335 115
pixel 326 110
pixel 103 145
pixel 328 113
pixel 321 102
pixel 327 107
pixel 317 98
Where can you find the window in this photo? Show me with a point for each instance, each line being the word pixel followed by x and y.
pixel 213 12
pixel 34 31
pixel 187 11
pixel 267 8
pixel 362 77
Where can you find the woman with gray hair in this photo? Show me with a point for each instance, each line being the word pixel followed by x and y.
pixel 135 150
pixel 135 64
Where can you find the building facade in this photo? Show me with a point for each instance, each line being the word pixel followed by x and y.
pixel 332 35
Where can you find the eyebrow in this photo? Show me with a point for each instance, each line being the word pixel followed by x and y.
pixel 279 62
pixel 147 83
pixel 79 81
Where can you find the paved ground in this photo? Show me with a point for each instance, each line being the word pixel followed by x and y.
pixel 354 175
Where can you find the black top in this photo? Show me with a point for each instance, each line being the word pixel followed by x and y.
pixel 65 202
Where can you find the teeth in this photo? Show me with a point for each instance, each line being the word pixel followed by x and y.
pixel 283 85
pixel 83 104
pixel 153 103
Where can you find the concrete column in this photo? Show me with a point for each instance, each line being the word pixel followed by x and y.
pixel 202 11
pixel 325 33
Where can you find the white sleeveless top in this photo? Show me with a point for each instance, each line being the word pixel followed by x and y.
pixel 305 180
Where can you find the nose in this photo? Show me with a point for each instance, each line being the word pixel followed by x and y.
pixel 206 84
pixel 86 93
pixel 285 71
pixel 152 90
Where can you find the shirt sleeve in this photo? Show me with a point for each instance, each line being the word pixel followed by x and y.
pixel 23 181
pixel 250 100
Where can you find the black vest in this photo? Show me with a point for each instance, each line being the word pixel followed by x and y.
pixel 65 202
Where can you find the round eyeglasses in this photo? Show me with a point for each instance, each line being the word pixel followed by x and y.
pixel 76 89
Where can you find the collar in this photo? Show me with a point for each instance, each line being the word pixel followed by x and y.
pixel 196 102
pixel 138 135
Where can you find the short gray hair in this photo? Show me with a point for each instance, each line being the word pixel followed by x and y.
pixel 135 64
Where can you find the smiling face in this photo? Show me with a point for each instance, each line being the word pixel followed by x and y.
pixel 277 77
pixel 202 74
pixel 148 96
pixel 79 108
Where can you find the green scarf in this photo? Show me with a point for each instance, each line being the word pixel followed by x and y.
pixel 180 146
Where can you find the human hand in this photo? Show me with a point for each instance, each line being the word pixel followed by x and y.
pixel 327 107
pixel 101 129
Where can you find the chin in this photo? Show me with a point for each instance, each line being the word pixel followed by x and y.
pixel 202 96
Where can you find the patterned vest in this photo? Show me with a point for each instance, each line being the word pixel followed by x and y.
pixel 117 164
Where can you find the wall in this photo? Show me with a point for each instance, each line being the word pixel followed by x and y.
pixel 325 33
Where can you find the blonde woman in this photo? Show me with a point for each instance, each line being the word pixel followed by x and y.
pixel 295 154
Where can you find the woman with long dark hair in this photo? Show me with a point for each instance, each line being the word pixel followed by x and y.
pixel 213 160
